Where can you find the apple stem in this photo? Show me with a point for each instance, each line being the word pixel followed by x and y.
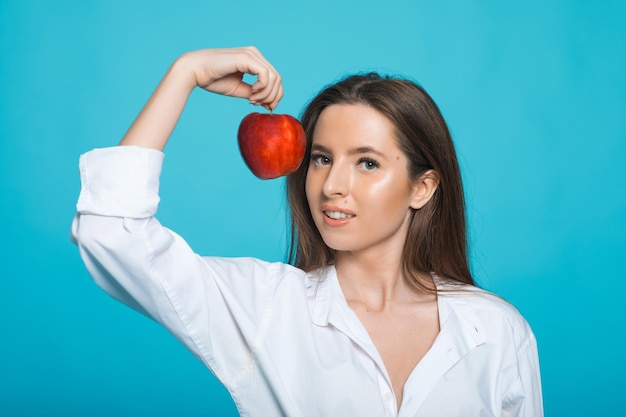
pixel 271 111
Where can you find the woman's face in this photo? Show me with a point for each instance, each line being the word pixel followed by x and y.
pixel 358 188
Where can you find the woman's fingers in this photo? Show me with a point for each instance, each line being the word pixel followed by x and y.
pixel 267 89
pixel 269 83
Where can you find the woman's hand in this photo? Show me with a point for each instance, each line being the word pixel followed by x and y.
pixel 221 71
pixel 216 70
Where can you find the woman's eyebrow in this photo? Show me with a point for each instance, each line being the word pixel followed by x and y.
pixel 319 148
pixel 365 149
pixel 351 151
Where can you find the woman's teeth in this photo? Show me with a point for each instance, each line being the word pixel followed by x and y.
pixel 338 215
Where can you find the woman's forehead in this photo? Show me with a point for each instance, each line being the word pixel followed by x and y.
pixel 353 126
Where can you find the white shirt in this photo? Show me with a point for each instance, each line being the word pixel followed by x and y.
pixel 282 341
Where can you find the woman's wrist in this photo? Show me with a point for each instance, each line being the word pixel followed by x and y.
pixel 182 73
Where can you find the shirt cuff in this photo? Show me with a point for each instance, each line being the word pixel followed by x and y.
pixel 121 181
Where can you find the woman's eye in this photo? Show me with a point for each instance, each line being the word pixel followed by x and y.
pixel 319 159
pixel 368 164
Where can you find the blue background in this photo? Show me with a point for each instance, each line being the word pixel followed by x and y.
pixel 535 96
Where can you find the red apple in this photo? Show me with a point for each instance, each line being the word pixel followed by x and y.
pixel 272 145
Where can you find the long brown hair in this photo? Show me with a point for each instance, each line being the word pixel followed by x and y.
pixel 437 240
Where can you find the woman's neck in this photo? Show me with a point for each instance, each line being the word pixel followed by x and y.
pixel 377 282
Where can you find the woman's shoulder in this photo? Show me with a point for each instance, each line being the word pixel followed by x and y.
pixel 253 274
pixel 478 298
pixel 252 281
pixel 491 312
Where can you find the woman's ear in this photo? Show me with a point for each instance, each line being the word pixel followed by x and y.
pixel 423 188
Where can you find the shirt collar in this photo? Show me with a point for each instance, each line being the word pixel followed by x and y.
pixel 452 303
pixel 455 304
pixel 331 308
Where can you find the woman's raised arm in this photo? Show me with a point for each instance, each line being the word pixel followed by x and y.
pixel 219 71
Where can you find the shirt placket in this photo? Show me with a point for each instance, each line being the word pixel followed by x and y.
pixel 386 393
pixel 353 329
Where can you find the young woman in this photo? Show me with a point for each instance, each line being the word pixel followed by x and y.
pixel 377 316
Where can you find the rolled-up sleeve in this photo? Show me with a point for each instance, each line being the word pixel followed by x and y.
pixel 120 181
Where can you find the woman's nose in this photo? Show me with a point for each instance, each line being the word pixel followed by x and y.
pixel 337 181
